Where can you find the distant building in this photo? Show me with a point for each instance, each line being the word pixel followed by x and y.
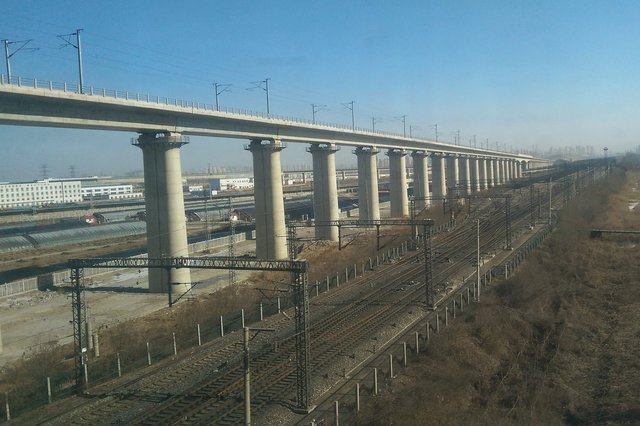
pixel 39 193
pixel 110 192
pixel 231 184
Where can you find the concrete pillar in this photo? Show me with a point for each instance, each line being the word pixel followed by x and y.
pixel 503 171
pixel 368 203
pixel 507 170
pixel 164 203
pixel 496 172
pixel 475 174
pixel 398 182
pixel 491 175
pixel 420 179
pixel 484 174
pixel 453 174
pixel 271 233
pixel 439 184
pixel 465 175
pixel 325 189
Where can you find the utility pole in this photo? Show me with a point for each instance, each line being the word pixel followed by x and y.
pixel 349 105
pixel 436 127
pixel 78 45
pixel 549 200
pixel 264 85
pixel 7 55
pixel 373 123
pixel 403 118
pixel 477 260
pixel 458 137
pixel 314 109
pixel 219 90
pixel 411 129
pixel 247 373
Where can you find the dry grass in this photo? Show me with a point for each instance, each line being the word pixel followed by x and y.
pixel 556 344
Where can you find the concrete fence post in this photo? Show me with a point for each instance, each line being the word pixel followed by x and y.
pixel 468 295
pixel 446 316
pixel 417 343
pixel 377 260
pixel 375 381
pixel 428 335
pixel 262 313
pixel 437 322
pixel 242 317
pixel 89 333
pixel 317 290
pixel 221 326
pixel 175 348
pixel 96 345
pixel 355 270
pixel 346 275
pixel 199 337
pixel 461 303
pixel 357 396
pixel 336 412
pixel 404 353
pixel 7 411
pixel 49 389
pixel 327 282
pixel 118 362
pixel 391 366
pixel 338 279
pixel 454 308
pixel 86 374
pixel 148 355
pixel 279 307
pixel 370 264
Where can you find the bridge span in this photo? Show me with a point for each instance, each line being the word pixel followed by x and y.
pixel 163 124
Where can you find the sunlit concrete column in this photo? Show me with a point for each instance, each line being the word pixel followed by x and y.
pixel 519 165
pixel 503 172
pixel 495 169
pixel 484 174
pixel 453 174
pixel 507 170
pixel 398 182
pixel 421 179
pixel 164 203
pixel 475 174
pixel 271 233
pixel 325 189
pixel 439 185
pixel 368 203
pixel 465 174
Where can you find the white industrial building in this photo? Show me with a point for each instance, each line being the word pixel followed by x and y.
pixel 111 192
pixel 230 184
pixel 39 193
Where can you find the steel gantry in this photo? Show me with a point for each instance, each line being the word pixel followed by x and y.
pixel 352 223
pixel 427 226
pixel 299 269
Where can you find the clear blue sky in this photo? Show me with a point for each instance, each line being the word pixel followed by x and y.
pixel 524 73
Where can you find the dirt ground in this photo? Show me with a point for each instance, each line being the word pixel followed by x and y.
pixel 557 343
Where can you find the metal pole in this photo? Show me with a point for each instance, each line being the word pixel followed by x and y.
pixel 6 58
pixel 79 58
pixel 549 201
pixel 266 85
pixel 247 380
pixel 478 259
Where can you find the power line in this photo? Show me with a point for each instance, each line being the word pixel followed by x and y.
pixel 349 105
pixel 264 85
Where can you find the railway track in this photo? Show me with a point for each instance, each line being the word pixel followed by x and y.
pixel 188 393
